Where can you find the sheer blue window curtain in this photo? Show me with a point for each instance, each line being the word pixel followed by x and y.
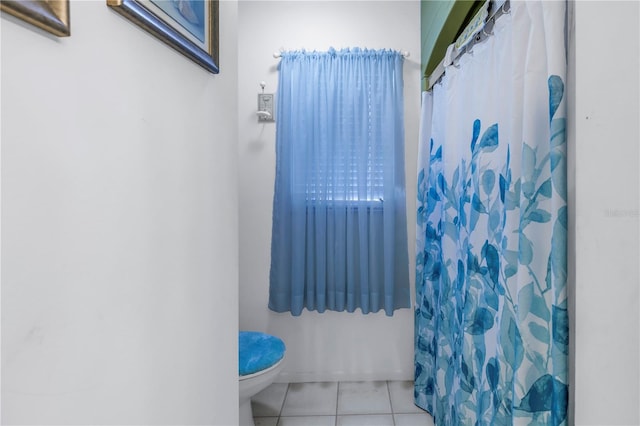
pixel 339 236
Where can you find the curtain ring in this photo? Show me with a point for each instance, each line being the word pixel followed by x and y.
pixel 487 34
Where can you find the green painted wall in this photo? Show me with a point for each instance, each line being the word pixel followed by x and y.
pixel 441 22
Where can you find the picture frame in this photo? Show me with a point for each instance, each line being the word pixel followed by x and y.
pixel 51 16
pixel 188 26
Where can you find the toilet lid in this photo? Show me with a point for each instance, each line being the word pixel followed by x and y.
pixel 258 351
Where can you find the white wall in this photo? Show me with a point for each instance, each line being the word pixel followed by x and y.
pixel 604 183
pixel 332 345
pixel 119 226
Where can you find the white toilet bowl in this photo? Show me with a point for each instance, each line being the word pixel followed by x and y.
pixel 261 355
pixel 251 385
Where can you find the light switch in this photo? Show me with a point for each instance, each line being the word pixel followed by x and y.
pixel 265 107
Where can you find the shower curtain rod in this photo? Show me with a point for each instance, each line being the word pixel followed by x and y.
pixel 480 27
pixel 404 53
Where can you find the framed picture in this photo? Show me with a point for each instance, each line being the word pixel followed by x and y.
pixel 188 26
pixel 51 15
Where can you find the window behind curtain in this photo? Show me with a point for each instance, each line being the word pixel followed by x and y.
pixel 339 222
pixel 350 167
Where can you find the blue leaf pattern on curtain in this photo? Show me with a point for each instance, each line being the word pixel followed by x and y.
pixel 491 315
pixel 471 292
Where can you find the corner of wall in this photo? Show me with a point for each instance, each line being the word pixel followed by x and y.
pixel 571 202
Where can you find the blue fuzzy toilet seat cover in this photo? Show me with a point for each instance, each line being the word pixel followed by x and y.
pixel 258 351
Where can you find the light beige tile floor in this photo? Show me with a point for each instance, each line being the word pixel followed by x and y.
pixel 382 403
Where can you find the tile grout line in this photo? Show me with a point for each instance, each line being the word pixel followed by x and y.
pixel 393 416
pixel 286 393
pixel 335 420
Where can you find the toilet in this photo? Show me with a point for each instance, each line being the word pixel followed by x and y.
pixel 261 358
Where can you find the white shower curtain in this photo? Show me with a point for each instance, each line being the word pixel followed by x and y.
pixel 491 313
